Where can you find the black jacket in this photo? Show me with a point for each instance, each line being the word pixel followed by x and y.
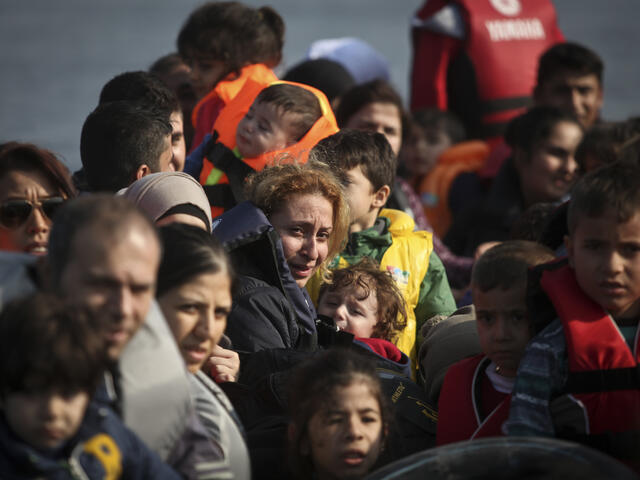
pixel 269 309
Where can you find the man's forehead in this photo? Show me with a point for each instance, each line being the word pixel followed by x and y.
pixel 569 77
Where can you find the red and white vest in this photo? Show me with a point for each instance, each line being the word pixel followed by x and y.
pixel 459 414
pixel 604 374
pixel 503 40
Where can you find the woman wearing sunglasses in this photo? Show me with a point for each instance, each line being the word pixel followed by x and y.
pixel 33 184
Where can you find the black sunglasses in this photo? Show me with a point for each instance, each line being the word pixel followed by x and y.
pixel 14 213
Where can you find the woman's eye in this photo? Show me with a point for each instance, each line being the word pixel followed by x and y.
pixel 369 419
pixel 263 127
pixel 188 307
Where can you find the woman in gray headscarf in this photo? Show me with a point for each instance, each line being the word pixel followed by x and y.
pixel 169 197
pixel 176 197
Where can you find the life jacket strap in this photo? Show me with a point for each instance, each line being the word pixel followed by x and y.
pixel 604 380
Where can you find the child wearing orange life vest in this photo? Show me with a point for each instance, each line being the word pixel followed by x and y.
pixel 578 378
pixel 225 44
pixel 281 120
pixel 475 396
pixel 364 301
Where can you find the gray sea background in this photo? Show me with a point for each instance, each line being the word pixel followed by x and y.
pixel 55 55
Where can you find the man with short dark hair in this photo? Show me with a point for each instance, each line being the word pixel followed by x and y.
pixel 122 142
pixel 570 78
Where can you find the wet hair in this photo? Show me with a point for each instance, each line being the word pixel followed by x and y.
pixel 109 218
pixel 141 87
pixel 46 344
pixel 272 187
pixel 312 388
pixel 234 34
pixel 609 188
pixel 119 137
pixel 348 149
pixel 26 157
pixel 370 280
pixel 507 264
pixel 528 130
pixel 569 57
pixel 375 91
pixel 301 103
pixel 188 251
pixel 447 122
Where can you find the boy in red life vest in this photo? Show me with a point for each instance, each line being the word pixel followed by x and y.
pixel 364 301
pixel 579 376
pixel 475 395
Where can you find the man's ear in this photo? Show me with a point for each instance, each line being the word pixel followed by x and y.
pixel 380 197
pixel 568 245
pixel 142 171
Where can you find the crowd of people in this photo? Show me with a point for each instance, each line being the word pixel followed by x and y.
pixel 261 278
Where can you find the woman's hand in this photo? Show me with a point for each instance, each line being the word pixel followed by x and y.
pixel 223 365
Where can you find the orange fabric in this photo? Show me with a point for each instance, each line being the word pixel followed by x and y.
pixel 433 189
pixel 205 112
pixel 227 123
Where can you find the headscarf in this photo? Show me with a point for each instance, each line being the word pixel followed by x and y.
pixel 159 194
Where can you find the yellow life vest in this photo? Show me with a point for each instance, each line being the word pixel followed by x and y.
pixel 407 259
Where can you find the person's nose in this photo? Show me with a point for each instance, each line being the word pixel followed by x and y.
pixel 576 101
pixel 38 221
pixel 354 428
pixel 122 302
pixel 340 313
pixel 49 404
pixel 614 263
pixel 502 331
pixel 205 324
pixel 310 247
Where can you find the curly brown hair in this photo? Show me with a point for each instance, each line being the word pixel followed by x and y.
pixel 271 188
pixel 367 277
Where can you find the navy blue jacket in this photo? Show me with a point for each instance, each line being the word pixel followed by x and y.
pixel 101 448
pixel 269 309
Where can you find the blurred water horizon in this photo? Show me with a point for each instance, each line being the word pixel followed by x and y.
pixel 56 56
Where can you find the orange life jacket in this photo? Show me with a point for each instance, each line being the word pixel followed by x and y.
pixel 205 112
pixel 459 417
pixel 433 189
pixel 214 177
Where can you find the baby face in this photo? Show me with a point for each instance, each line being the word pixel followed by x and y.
pixel 264 129
pixel 351 310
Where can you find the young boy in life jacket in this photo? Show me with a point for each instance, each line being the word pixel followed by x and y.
pixel 367 165
pixel 579 376
pixel 365 301
pixel 51 362
pixel 475 395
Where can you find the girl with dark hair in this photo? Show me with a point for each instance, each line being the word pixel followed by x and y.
pixel 33 184
pixel 339 417
pixel 542 168
pixel 194 294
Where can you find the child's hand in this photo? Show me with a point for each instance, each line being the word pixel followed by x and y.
pixel 223 365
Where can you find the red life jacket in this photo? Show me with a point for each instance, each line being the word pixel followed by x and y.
pixel 459 413
pixel 503 41
pixel 604 374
